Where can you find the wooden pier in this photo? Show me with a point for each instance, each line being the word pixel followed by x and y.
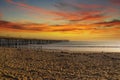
pixel 17 42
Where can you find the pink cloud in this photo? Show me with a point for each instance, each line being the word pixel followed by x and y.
pixel 0 14
pixel 77 15
pixel 32 8
pixel 116 2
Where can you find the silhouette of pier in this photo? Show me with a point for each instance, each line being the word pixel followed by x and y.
pixel 17 42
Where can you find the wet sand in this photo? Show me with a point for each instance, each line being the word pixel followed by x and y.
pixel 24 64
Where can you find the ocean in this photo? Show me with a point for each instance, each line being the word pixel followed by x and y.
pixel 91 46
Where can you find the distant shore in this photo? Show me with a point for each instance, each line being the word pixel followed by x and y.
pixel 43 64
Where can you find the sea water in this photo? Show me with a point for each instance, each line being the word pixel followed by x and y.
pixel 97 46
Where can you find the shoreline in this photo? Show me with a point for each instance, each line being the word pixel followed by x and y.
pixel 60 50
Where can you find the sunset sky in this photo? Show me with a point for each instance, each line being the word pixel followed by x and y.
pixel 61 19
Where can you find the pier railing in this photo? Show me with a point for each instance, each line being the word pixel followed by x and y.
pixel 19 43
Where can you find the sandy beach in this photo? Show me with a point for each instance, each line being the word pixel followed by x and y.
pixel 24 64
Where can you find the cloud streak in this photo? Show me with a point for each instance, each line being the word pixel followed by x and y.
pixel 63 17
pixel 101 29
pixel 57 28
pixel 112 23
pixel 116 2
pixel 66 5
pixel 1 15
pixel 18 26
pixel 32 8
pixel 77 12
pixel 81 12
pixel 35 27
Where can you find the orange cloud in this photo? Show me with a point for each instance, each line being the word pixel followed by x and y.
pixel 59 28
pixel 18 26
pixel 84 20
pixel 41 27
pixel 112 23
pixel 82 16
pixel 81 31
